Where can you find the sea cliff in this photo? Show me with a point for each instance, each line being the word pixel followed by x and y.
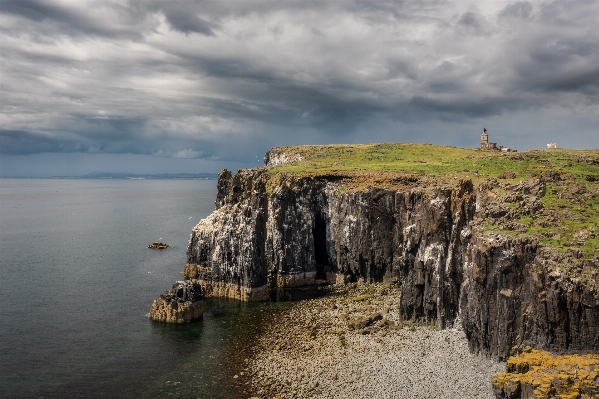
pixel 453 243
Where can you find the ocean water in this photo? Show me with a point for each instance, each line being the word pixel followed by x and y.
pixel 77 282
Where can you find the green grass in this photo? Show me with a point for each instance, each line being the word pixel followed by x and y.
pixel 573 219
pixel 434 160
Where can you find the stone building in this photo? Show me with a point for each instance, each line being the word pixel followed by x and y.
pixel 484 142
pixel 485 145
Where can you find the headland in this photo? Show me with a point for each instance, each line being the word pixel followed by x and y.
pixel 502 246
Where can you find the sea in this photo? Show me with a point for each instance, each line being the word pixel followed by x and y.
pixel 77 282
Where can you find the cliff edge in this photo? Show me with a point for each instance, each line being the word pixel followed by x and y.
pixel 504 244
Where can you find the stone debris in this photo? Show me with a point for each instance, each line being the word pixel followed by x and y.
pixel 312 352
pixel 507 175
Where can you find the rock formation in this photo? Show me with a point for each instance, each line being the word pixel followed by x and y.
pixel 272 231
pixel 158 245
pixel 182 304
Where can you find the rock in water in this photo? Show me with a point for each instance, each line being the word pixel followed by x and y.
pixel 158 245
pixel 181 304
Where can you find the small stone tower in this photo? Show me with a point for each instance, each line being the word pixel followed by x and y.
pixel 484 142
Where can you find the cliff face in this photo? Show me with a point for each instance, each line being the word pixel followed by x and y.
pixel 272 232
pixel 510 297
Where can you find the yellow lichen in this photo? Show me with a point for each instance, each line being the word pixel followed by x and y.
pixel 549 376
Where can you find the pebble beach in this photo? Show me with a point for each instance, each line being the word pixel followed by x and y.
pixel 350 343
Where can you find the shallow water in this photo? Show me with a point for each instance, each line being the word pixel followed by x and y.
pixel 76 283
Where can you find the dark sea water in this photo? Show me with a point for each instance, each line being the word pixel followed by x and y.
pixel 77 281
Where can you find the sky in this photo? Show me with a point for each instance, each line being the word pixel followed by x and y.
pixel 166 86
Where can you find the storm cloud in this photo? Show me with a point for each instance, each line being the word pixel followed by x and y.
pixel 225 80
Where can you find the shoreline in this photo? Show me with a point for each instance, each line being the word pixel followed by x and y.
pixel 340 346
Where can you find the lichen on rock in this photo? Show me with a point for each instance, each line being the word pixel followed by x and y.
pixel 540 375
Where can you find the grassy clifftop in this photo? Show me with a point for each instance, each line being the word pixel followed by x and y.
pixel 562 211
pixel 436 161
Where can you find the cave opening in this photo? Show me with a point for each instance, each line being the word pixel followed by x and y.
pixel 321 257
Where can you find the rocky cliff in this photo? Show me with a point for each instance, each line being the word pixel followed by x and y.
pixel 430 237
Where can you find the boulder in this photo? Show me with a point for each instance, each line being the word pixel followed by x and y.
pixel 182 304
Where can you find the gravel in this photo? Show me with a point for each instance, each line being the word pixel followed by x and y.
pixel 311 352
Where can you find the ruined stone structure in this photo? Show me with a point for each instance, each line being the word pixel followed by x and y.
pixel 485 145
pixel 484 142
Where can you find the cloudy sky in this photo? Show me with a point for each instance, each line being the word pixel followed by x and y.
pixel 165 86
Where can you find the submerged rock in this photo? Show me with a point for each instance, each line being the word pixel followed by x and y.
pixel 182 304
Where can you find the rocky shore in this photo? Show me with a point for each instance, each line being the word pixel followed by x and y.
pixel 352 343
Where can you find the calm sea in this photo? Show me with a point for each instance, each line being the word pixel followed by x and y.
pixel 77 281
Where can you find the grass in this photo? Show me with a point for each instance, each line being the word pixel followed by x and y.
pixel 574 218
pixel 434 161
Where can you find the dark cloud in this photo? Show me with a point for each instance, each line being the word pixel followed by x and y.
pixel 19 142
pixel 50 21
pixel 562 64
pixel 461 108
pixel 473 24
pixel 225 80
pixel 181 20
pixel 519 10
pixel 183 16
pixel 31 9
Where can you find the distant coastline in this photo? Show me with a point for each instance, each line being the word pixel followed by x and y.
pixel 130 176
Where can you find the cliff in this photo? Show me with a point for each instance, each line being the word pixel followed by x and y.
pixel 456 242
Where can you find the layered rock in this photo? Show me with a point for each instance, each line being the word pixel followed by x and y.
pixel 275 231
pixel 182 304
